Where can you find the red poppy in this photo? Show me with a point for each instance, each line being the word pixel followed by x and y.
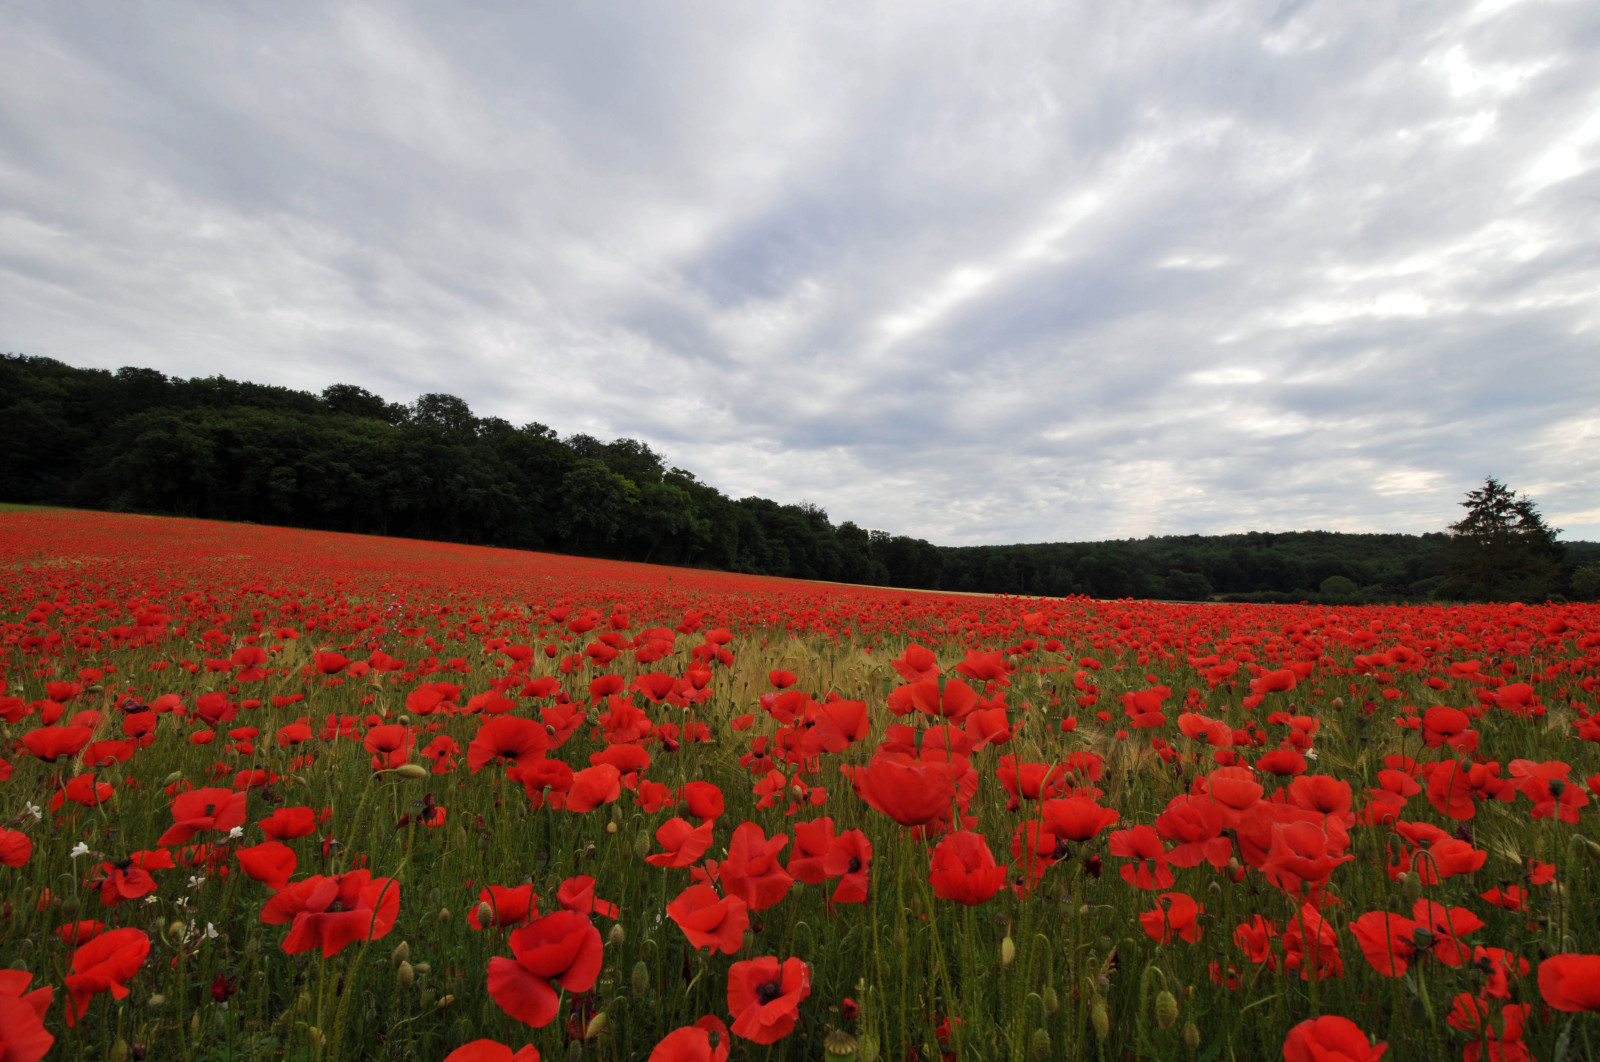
pixel 492 1051
pixel 563 947
pixel 1077 818
pixel 811 841
pixel 910 793
pixel 764 997
pixel 849 859
pixel 1177 914
pixel 710 921
pixel 1143 844
pixel 1571 982
pixel 1330 1039
pixel 592 787
pixel 577 894
pixel 963 869
pixel 105 964
pixel 506 737
pixel 23 1037
pixel 916 664
pixel 333 912
pixel 272 863
pixel 704 1041
pixel 683 844
pixel 1195 822
pixel 203 809
pixel 15 847
pixel 507 906
pixel 751 871
pixel 285 824
pixel 51 743
pixel 702 799
pixel 390 745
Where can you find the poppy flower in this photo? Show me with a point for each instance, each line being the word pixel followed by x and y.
pixel 51 743
pixel 562 947
pixel 203 809
pixel 764 997
pixel 105 964
pixel 849 858
pixel 917 664
pixel 1302 853
pixel 1143 844
pixel 577 894
pixel 702 799
pixel 709 920
pixel 23 1037
pixel 332 912
pixel 1571 982
pixel 592 787
pixel 911 794
pixel 1389 941
pixel 1195 823
pixel 1330 1039
pixel 506 737
pixel 15 848
pixel 704 1041
pixel 540 775
pixel 507 906
pixel 80 932
pixel 1311 945
pixel 751 870
pixel 272 863
pixel 811 841
pixel 285 824
pixel 1077 818
pixel 963 869
pixel 492 1051
pixel 683 844
pixel 1177 914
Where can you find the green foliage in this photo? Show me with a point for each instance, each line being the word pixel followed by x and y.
pixel 1502 550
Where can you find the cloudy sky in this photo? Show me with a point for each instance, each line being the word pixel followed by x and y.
pixel 978 272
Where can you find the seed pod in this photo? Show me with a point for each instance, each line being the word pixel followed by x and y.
pixel 639 980
pixel 1166 1009
pixel 1191 1036
pixel 1100 1018
pixel 1041 1045
pixel 404 975
pixel 840 1046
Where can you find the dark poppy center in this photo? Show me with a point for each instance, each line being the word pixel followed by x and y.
pixel 336 906
pixel 767 991
pixel 855 864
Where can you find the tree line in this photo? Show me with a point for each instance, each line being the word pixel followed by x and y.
pixel 137 440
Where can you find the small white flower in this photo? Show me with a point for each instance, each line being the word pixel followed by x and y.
pixel 211 932
pixel 1311 754
pixel 79 849
pixel 35 810
pixel 148 900
pixel 196 881
pixel 236 833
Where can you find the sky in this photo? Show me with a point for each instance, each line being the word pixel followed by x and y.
pixel 989 273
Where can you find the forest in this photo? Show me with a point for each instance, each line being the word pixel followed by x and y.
pixel 137 440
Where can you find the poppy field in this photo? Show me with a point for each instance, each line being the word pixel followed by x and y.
pixel 277 794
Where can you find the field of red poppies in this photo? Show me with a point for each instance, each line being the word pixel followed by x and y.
pixel 280 794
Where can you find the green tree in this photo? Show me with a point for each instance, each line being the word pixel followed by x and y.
pixel 1502 549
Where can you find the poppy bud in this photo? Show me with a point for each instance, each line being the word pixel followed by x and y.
pixel 1100 1019
pixel 900 941
pixel 840 1046
pixel 313 1034
pixel 485 914
pixel 641 845
pixel 1411 887
pixel 1191 1035
pixel 639 980
pixel 458 836
pixel 596 1026
pixel 1041 1045
pixel 1008 951
pixel 446 1001
pixel 174 932
pixel 1166 1009
pixel 194 1025
pixel 404 975
pixel 156 1001
pixel 574 1051
pixel 616 936
pixel 444 914
pixel 425 1000
pixel 173 779
pixel 868 1051
pixel 121 1051
pixel 413 771
pixel 402 952
pixel 303 1004
pixel 1337 704
pixel 1052 999
pixel 611 827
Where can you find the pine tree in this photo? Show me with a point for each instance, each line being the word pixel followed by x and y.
pixel 1502 549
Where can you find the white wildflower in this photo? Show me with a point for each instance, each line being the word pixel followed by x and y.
pixel 1311 754
pixel 197 880
pixel 211 932
pixel 148 900
pixel 34 809
pixel 79 849
pixel 236 833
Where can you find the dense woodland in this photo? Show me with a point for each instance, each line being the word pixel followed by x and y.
pixel 347 460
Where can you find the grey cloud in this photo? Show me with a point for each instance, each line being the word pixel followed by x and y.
pixel 1037 272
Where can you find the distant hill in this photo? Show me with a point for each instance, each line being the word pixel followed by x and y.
pixel 347 460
